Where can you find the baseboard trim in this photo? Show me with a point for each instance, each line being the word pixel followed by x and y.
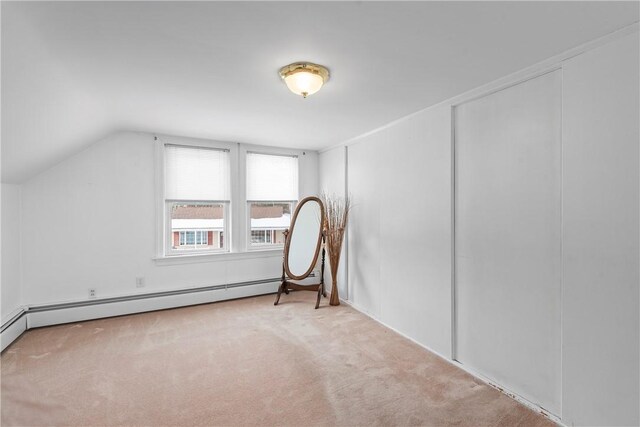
pixel 136 297
pixel 54 314
pixel 12 329
pixel 13 318
pixel 534 407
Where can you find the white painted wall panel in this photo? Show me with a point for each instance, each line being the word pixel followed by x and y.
pixel 332 167
pixel 600 231
pixel 309 173
pixel 508 237
pixel 415 231
pixel 364 227
pixel 10 288
pixel 400 234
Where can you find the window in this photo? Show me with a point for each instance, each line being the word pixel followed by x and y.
pixel 197 197
pixel 261 236
pixel 272 190
pixel 195 238
pixel 220 197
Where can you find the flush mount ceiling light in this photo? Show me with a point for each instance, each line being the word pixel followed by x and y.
pixel 304 78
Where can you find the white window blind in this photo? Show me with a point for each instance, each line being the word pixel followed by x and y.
pixel 194 173
pixel 271 177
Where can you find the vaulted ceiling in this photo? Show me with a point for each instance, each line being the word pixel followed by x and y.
pixel 73 72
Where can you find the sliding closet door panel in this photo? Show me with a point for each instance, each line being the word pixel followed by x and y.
pixel 508 237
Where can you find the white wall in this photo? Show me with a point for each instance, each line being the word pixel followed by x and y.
pixel 508 222
pixel 10 294
pixel 89 222
pixel 400 227
pixel 400 230
pixel 309 173
pixel 600 236
pixel 331 165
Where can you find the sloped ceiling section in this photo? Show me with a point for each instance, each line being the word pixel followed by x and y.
pixel 73 72
pixel 46 114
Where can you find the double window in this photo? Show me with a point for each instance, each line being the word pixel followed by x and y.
pixel 201 207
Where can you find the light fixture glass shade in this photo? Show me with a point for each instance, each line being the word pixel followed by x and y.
pixel 304 78
pixel 304 83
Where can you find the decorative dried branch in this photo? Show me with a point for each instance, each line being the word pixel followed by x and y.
pixel 336 217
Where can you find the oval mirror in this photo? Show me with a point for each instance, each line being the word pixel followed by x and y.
pixel 305 238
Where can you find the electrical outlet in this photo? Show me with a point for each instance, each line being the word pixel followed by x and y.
pixel 92 293
pixel 140 282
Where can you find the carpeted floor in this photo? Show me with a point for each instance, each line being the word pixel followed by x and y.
pixel 242 362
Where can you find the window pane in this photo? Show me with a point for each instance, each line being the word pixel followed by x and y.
pixel 256 236
pixel 271 177
pixel 268 222
pixel 193 173
pixel 197 226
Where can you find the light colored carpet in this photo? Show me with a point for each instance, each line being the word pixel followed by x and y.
pixel 242 362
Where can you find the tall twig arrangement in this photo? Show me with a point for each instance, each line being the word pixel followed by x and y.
pixel 336 217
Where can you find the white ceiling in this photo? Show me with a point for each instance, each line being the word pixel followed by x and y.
pixel 72 72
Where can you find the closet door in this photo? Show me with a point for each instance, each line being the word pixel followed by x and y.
pixel 508 238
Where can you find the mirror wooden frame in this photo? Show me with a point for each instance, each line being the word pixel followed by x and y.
pixel 287 285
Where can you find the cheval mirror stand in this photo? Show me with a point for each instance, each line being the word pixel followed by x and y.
pixel 303 243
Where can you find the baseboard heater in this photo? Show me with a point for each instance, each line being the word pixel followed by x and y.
pixel 13 320
pixel 19 316
pixel 61 306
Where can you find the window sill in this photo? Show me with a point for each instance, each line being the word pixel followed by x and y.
pixel 223 256
pixel 266 248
